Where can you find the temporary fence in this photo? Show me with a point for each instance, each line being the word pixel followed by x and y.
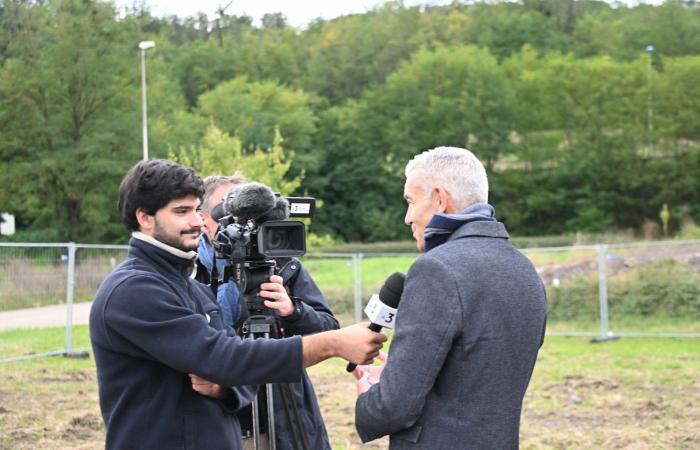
pixel 642 289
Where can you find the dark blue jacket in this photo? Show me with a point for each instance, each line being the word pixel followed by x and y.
pixel 151 325
pixel 314 316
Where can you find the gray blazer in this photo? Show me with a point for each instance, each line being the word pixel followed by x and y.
pixel 468 327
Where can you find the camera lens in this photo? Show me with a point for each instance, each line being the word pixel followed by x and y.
pixel 277 239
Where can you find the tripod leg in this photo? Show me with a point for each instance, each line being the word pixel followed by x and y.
pixel 256 424
pixel 270 417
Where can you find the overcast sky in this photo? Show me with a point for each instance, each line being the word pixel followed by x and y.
pixel 298 12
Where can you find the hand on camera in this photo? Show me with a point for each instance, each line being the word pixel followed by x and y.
pixel 277 297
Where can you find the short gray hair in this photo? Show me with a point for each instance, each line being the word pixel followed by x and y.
pixel 455 169
pixel 214 181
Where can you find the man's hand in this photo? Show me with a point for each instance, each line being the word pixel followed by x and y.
pixel 278 298
pixel 207 388
pixel 356 343
pixel 369 375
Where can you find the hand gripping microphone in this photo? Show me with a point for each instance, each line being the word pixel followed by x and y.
pixel 381 309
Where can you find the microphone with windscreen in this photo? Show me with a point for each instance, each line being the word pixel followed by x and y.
pixel 249 201
pixel 278 212
pixel 381 309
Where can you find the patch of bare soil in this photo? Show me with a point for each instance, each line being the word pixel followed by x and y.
pixel 46 408
pixel 336 396
pixel 585 412
pixel 619 262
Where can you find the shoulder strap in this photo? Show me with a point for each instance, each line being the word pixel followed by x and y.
pixel 288 270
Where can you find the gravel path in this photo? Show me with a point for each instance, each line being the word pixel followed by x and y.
pixel 46 316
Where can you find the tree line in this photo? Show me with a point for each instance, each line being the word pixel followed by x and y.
pixel 586 114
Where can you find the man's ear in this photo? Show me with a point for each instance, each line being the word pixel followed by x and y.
pixel 145 220
pixel 445 202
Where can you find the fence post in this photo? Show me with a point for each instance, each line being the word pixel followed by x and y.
pixel 605 333
pixel 70 291
pixel 357 264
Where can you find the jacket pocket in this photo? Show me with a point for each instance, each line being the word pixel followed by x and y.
pixel 409 434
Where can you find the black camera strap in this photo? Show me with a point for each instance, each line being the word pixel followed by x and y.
pixel 289 270
pixel 214 277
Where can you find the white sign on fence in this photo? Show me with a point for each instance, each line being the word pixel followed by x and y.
pixel 7 224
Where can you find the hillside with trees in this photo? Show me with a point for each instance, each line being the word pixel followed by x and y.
pixel 587 113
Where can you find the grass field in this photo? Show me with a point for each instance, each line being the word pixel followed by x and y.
pixel 629 393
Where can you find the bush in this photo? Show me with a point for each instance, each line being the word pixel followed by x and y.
pixel 665 289
pixel 575 300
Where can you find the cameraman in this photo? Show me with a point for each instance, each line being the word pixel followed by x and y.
pixel 301 309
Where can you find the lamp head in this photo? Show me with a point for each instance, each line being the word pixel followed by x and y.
pixel 144 45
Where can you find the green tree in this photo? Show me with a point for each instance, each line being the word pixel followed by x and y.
pixel 221 154
pixel 252 110
pixel 354 53
pixel 453 96
pixel 69 121
pixel 675 95
pixel 354 177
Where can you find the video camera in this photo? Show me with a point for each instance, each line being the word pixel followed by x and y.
pixel 253 230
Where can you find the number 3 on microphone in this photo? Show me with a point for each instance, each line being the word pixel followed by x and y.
pixel 388 317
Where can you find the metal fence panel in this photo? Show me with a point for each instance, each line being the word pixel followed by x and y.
pixel 643 289
pixel 32 275
pixel 654 289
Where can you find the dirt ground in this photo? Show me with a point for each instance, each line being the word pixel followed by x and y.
pixel 46 406
pixel 620 260
pixel 52 404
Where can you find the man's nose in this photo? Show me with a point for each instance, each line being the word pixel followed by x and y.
pixel 407 218
pixel 197 220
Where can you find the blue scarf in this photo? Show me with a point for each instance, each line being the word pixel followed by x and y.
pixel 441 225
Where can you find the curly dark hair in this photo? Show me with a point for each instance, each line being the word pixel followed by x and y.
pixel 150 185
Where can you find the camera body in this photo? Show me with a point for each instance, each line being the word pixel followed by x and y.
pixel 252 244
pixel 263 238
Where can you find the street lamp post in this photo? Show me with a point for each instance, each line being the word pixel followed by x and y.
pixel 144 45
pixel 650 111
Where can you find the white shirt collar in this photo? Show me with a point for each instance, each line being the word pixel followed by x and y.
pixel 190 256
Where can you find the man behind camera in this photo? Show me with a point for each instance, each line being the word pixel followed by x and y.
pixel 301 309
pixel 152 326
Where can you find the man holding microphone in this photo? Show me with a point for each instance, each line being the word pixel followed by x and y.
pixel 469 325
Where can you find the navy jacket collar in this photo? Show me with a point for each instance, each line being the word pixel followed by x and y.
pixel 480 229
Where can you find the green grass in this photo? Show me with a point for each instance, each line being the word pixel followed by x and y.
pixel 628 393
pixel 22 342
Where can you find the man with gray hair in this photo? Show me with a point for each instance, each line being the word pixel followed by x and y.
pixel 469 325
pixel 301 310
pixel 216 187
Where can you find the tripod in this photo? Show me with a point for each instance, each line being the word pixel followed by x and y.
pixel 262 323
